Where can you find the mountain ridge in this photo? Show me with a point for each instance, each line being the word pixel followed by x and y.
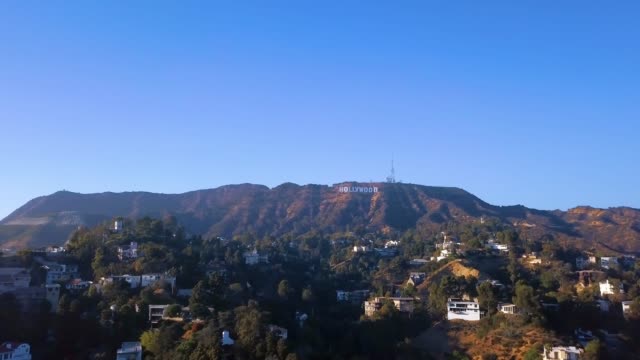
pixel 291 208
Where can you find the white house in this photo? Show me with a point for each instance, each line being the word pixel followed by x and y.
pixel 607 288
pixel 156 313
pixel 118 226
pixel 127 252
pixel 510 309
pixel 562 352
pixel 129 351
pixel 15 351
pixel 391 243
pixel 463 310
pixel 253 257
pixel 361 248
pixel 493 245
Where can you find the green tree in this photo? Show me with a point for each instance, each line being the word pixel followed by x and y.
pixel 284 289
pixel 525 299
pixel 592 350
pixel 487 297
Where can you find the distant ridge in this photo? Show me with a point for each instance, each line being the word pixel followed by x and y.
pixel 290 208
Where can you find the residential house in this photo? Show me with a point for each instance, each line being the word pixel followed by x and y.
pixel 118 226
pixel 129 351
pixel 603 305
pixel 562 353
pixel 391 243
pixel 156 313
pixel 532 259
pixel 78 285
pixel 30 298
pixel 128 252
pixel 510 309
pixel 361 249
pixel 493 245
pixel 278 331
pixel 386 252
pixel 15 351
pixel 607 288
pixel 60 272
pixel 356 297
pixel 607 262
pixel 626 307
pixel 418 262
pixel 150 279
pixel 14 278
pixel 403 304
pixel 583 336
pixel 416 278
pixel 458 309
pixel 132 280
pixel 253 257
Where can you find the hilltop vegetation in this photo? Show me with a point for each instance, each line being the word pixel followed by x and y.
pixel 301 277
pixel 294 210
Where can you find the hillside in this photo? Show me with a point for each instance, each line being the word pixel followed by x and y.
pixel 291 208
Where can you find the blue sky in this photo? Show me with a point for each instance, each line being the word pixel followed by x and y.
pixel 534 103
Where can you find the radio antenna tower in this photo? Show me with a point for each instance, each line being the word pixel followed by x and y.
pixel 392 178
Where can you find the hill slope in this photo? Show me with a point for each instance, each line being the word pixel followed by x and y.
pixel 291 208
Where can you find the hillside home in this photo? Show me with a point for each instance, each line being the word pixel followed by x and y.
pixel 416 278
pixel 391 243
pixel 603 305
pixel 418 262
pixel 562 353
pixel 15 351
pixel 493 245
pixel 386 252
pixel 253 258
pixel 626 307
pixel 136 281
pixel 607 288
pixel 14 278
pixel 361 249
pixel 463 310
pixel 510 309
pixel 60 272
pixel 128 252
pixel 583 336
pixel 118 226
pixel 607 262
pixel 531 259
pixel 129 351
pixel 355 297
pixel 78 285
pixel 403 304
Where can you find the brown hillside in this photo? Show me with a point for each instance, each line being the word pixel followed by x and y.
pixel 295 209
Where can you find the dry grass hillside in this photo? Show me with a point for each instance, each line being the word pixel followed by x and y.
pixel 508 341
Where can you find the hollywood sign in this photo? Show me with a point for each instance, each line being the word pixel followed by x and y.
pixel 358 189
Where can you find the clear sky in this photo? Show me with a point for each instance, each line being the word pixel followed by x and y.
pixel 534 103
